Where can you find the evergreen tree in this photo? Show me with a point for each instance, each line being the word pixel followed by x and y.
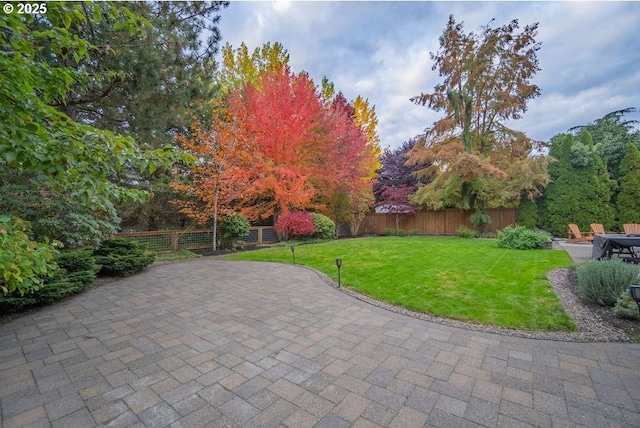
pixel 580 188
pixel 528 213
pixel 146 84
pixel 612 135
pixel 628 203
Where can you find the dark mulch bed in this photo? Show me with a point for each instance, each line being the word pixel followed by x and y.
pixel 631 327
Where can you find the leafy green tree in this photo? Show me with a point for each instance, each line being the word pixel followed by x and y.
pixel 475 159
pixel 628 203
pixel 42 147
pixel 147 84
pixel 580 188
pixel 612 135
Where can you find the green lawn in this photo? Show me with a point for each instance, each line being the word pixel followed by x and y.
pixel 466 279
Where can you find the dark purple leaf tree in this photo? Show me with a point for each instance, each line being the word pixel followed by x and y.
pixel 395 173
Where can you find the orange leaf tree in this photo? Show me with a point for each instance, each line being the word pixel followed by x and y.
pixel 220 172
pixel 477 161
pixel 284 123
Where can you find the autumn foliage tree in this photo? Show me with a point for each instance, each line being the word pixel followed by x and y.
pixel 395 200
pixel 476 160
pixel 219 173
pixel 284 144
pixel 356 156
pixel 394 171
pixel 283 122
pixel 240 68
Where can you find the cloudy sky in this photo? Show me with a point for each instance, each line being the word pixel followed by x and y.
pixel 590 55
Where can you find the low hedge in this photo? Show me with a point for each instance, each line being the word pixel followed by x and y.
pixel 121 257
pixel 76 272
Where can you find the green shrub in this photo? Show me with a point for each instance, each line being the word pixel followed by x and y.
pixel 76 272
pixel 325 227
pixel 234 227
pixel 14 302
pixel 121 257
pixel 84 278
pixel 603 281
pixel 626 307
pixel 465 232
pixel 77 260
pixel 480 220
pixel 24 264
pixel 389 231
pixel 521 238
pixel 57 290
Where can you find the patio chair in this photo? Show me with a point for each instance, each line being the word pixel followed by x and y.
pixel 582 237
pixel 597 229
pixel 631 229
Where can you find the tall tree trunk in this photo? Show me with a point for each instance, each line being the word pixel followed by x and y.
pixel 215 219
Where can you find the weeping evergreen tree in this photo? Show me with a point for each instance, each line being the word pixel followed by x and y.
pixel 628 203
pixel 580 188
pixel 612 134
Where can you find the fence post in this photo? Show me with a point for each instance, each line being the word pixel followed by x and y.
pixel 260 235
pixel 174 240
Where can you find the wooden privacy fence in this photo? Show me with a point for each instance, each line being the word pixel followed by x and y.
pixel 174 240
pixel 443 222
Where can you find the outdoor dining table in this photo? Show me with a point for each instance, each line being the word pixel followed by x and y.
pixel 607 245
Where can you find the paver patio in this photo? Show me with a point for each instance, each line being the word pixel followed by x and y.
pixel 218 343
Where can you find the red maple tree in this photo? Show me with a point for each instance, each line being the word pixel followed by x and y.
pixel 283 120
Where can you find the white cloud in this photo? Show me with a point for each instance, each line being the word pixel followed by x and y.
pixel 589 58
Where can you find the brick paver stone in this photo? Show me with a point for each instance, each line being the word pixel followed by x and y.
pixel 219 343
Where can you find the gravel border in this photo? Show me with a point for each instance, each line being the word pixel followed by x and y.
pixel 591 327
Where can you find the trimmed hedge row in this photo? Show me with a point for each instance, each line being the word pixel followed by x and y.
pixel 77 270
